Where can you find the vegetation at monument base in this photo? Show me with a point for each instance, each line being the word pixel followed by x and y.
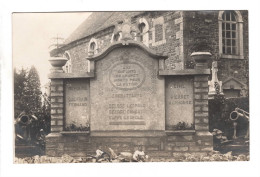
pixel 29 100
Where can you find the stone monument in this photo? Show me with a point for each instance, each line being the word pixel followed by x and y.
pixel 127 100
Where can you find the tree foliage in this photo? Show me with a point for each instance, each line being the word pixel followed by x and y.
pixel 33 92
pixel 28 98
pixel 20 81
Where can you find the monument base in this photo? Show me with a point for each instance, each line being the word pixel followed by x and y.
pixel 157 144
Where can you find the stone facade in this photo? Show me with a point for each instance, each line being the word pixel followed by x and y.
pixel 177 34
pixel 201 28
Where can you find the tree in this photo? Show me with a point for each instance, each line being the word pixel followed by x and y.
pixel 28 99
pixel 32 92
pixel 20 80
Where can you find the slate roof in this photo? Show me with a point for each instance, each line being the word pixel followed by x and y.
pixel 98 21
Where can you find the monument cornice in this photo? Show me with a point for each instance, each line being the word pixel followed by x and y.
pixel 184 72
pixel 127 43
pixel 70 75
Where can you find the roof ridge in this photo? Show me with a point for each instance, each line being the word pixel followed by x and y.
pixel 76 34
pixel 96 22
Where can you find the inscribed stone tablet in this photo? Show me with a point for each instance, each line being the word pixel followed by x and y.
pixel 77 102
pixel 179 103
pixel 127 93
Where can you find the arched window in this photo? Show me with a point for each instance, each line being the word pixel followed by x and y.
pixel 230 34
pixel 143 28
pixel 67 68
pixel 116 37
pixel 93 46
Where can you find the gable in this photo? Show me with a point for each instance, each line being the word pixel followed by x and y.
pixel 232 83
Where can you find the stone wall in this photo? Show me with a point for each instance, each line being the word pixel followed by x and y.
pixel 177 34
pixel 201 31
pixel 165 36
pixel 82 145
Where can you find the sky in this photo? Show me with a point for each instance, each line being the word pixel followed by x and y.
pixel 33 33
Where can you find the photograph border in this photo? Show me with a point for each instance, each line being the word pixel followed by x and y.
pixel 127 169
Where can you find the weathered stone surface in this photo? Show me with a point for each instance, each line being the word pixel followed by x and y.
pixel 152 148
pixel 53 122
pixel 202 102
pixel 199 90
pixel 201 114
pixel 130 94
pixel 77 102
pixel 154 141
pixel 201 78
pixel 189 138
pixel 185 143
pixel 171 138
pixel 180 148
pixel 194 148
pixel 56 128
pixel 179 96
pixel 59 122
pixel 202 126
pixel 60 94
pixel 57 105
pixel 207 148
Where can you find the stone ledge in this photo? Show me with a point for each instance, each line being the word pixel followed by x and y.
pixel 70 75
pixel 180 132
pixel 203 133
pixel 75 132
pixel 53 135
pixel 136 133
pixel 184 72
pixel 56 82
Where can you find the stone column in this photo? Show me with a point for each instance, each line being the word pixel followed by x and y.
pixel 201 116
pixel 54 144
pixel 201 91
pixel 57 106
pixel 201 103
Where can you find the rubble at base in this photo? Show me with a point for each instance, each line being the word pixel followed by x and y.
pixel 178 157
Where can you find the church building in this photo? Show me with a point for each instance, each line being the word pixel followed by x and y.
pixel 174 33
